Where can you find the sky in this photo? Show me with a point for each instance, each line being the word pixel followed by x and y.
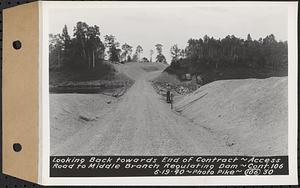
pixel 168 23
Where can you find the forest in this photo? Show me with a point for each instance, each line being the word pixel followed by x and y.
pixel 86 51
pixel 213 59
pixel 231 57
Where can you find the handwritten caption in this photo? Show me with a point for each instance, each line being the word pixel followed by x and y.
pixel 98 166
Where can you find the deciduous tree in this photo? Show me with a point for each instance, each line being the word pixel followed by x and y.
pixel 138 51
pixel 160 57
pixel 112 45
pixel 175 52
pixel 127 50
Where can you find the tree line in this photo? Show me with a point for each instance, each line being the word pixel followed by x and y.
pixel 85 50
pixel 210 53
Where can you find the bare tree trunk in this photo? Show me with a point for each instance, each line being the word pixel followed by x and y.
pixel 93 59
pixel 83 48
pixel 89 61
pixel 58 59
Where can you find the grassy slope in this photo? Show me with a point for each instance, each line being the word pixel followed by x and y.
pixel 88 81
pixel 104 72
pixel 225 73
pixel 171 76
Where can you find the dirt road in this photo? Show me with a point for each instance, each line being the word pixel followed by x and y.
pixel 140 123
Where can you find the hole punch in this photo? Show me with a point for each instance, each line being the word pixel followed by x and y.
pixel 17 147
pixel 17 44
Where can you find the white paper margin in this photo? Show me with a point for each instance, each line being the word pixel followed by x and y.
pixel 44 152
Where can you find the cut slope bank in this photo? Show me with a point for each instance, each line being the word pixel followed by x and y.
pixel 250 115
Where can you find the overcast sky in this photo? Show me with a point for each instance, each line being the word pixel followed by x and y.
pixel 148 24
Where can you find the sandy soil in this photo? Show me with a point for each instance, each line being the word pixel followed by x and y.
pixel 138 123
pixel 250 115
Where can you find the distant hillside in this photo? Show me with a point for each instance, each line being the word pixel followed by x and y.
pixel 249 115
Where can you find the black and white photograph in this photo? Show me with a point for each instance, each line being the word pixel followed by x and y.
pixel 177 81
pixel 169 79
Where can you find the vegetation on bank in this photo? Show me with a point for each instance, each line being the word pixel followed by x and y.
pixel 230 58
pixel 77 64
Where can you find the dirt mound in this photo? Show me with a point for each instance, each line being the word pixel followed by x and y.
pixel 250 115
pixel 72 113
